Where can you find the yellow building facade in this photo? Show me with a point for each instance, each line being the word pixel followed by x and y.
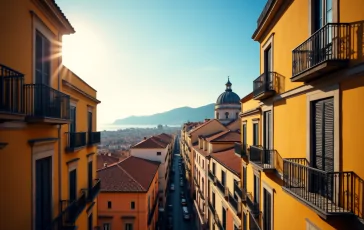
pixel 47 172
pixel 302 120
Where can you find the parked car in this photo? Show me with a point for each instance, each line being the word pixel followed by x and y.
pixel 186 214
pixel 183 201
pixel 172 187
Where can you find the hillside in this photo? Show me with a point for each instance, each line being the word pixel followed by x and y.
pixel 173 117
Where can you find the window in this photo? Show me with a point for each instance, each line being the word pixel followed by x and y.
pixel 245 224
pixel 322 13
pixel 213 168
pixel 255 134
pixel 244 178
pixel 267 210
pixel 256 189
pixel 223 179
pixel 213 199
pixel 159 153
pixel 89 119
pixel 217 115
pixel 132 205
pixel 109 204
pixel 203 163
pixel 223 218
pixel 72 128
pixel 128 226
pixel 42 57
pixel 227 115
pixel 106 226
pixel 237 184
pixel 72 185
pixel 90 179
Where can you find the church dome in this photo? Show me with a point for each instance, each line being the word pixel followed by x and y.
pixel 228 97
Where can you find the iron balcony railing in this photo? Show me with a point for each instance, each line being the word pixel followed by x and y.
pixel 238 190
pixel 265 11
pixel 234 203
pixel 211 175
pixel 94 190
pixel 331 42
pixel 75 140
pixel 220 186
pixel 328 192
pixel 263 157
pixel 212 208
pixel 72 209
pixel 94 138
pixel 266 82
pixel 240 149
pixel 253 206
pixel 152 211
pixel 255 221
pixel 11 90
pixel 45 102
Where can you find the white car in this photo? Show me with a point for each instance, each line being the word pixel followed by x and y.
pixel 186 214
pixel 172 187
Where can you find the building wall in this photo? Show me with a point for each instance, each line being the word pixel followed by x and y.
pixel 121 206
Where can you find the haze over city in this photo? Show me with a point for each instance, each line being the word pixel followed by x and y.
pixel 153 56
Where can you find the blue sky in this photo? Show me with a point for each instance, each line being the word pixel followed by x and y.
pixel 149 56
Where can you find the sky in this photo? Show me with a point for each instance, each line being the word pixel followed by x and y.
pixel 149 56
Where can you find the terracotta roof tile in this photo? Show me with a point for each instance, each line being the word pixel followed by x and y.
pixel 165 137
pixel 202 125
pixel 126 175
pixel 102 159
pixel 216 135
pixel 229 160
pixel 200 151
pixel 229 136
pixel 153 142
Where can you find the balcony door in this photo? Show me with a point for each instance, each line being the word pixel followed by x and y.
pixel 43 193
pixel 244 139
pixel 267 210
pixel 268 68
pixel 268 143
pixel 322 154
pixel 72 185
pixel 41 91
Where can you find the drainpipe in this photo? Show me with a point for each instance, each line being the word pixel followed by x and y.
pixel 59 139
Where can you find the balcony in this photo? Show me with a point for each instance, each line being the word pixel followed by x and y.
pixel 252 205
pixel 71 210
pixel 43 104
pixel 75 141
pixel 94 138
pixel 255 221
pixel 220 186
pixel 239 192
pixel 234 204
pixel 241 150
pixel 11 94
pixel 266 85
pixel 211 176
pixel 211 207
pixel 325 51
pixel 94 190
pixel 264 159
pixel 152 211
pixel 327 193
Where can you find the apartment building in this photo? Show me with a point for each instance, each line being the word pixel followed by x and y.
pixel 129 196
pixel 47 124
pixel 300 124
pixel 157 148
pixel 217 147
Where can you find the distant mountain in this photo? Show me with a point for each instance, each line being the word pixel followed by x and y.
pixel 173 117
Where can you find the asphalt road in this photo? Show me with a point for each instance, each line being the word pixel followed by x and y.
pixel 174 198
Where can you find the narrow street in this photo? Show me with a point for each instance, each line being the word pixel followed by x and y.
pixel 174 197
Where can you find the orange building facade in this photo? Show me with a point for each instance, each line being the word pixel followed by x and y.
pixel 129 196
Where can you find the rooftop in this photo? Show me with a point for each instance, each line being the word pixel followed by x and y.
pixel 229 160
pixel 154 142
pixel 126 175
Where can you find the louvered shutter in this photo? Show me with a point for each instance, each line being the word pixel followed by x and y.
pixel 318 145
pixel 329 144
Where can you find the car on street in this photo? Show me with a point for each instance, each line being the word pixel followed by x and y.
pixel 186 214
pixel 172 187
pixel 183 201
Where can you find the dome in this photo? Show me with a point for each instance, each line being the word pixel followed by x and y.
pixel 228 97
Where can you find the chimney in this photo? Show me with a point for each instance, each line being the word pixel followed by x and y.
pixel 105 165
pixel 145 138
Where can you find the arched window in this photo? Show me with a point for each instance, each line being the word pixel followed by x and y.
pixel 227 115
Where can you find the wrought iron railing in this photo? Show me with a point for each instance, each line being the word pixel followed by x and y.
pixel 94 138
pixel 253 206
pixel 266 82
pixel 255 221
pixel 94 190
pixel 234 203
pixel 330 192
pixel 11 90
pixel 76 140
pixel 220 186
pixel 44 101
pixel 72 209
pixel 212 208
pixel 211 175
pixel 265 11
pixel 331 42
pixel 240 149
pixel 238 190
pixel 261 156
